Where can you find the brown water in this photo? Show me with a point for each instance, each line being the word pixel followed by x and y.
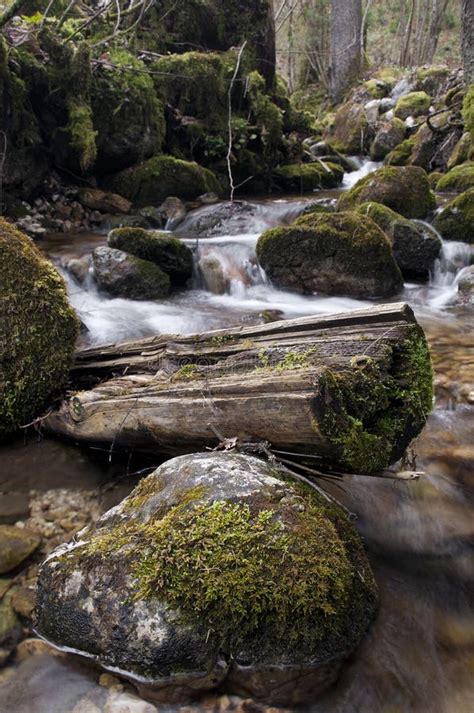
pixel 419 655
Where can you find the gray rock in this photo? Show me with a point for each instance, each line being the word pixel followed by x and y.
pixel 466 285
pixel 184 585
pixel 221 219
pixel 124 275
pixel 79 267
pixel 388 137
pixel 212 274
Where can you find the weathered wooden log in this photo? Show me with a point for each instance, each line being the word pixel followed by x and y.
pixel 353 388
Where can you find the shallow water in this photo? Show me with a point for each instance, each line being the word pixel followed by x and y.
pixel 419 656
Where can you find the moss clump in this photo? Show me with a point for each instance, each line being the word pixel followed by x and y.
pixel 38 330
pixel 162 249
pixel 258 575
pixel 406 190
pixel 468 112
pixel 162 176
pixel 458 179
pixel 400 155
pixel 374 417
pixel 461 151
pixel 378 88
pixel 412 104
pixel 456 220
pixel 305 177
pixel 334 253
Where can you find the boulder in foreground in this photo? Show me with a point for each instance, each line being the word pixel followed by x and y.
pixel 38 330
pixel 124 275
pixel 217 570
pixel 334 253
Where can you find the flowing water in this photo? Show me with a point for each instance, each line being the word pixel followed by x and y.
pixel 419 656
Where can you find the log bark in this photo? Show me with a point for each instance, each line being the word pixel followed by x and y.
pixel 346 46
pixel 353 388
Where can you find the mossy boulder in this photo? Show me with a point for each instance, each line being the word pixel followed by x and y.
pixel 404 189
pixel 414 248
pixel 124 275
pixel 458 179
pixel 456 220
pixel 349 130
pixel 401 154
pixel 333 253
pixel 412 104
pixel 387 138
pixel 217 570
pixel 468 112
pixel 306 177
pixel 38 330
pixel 151 182
pixel 432 79
pixel 461 151
pixel 164 250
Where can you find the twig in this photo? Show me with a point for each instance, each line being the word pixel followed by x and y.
pixel 229 149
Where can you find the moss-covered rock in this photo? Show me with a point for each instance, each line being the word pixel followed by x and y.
pixel 334 253
pixel 400 155
pixel 412 104
pixel 349 130
pixel 378 88
pixel 164 250
pixel 432 79
pixel 456 220
pixel 38 330
pixel 154 180
pixel 414 249
pixel 468 112
pixel 461 151
pixel 217 569
pixel 124 275
pixel 304 177
pixel 388 137
pixel 127 114
pixel 458 179
pixel 405 190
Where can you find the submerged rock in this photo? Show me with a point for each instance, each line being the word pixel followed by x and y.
pixel 124 275
pixel 38 330
pixel 164 250
pixel 456 220
pixel 405 189
pixel 414 248
pixel 334 253
pixel 216 570
pixel 16 544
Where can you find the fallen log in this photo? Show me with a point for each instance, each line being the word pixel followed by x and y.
pixel 353 388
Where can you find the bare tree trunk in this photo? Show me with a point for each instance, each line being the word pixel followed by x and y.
pixel 468 40
pixel 346 51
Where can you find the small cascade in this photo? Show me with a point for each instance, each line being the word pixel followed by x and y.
pixel 365 167
pixel 228 265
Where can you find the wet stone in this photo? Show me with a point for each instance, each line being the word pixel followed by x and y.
pixel 16 544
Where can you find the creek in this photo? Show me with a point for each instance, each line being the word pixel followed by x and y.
pixel 419 655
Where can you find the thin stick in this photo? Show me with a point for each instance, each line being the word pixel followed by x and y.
pixel 229 95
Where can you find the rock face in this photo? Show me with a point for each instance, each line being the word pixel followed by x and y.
pixel 167 252
pixel 124 275
pixel 16 544
pixel 334 253
pixel 456 220
pixel 216 570
pixel 406 190
pixel 388 137
pixel 161 176
pixel 38 330
pixel 414 248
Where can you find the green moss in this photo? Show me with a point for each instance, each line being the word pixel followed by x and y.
pixel 188 371
pixel 349 129
pixel 405 190
pixel 377 88
pixel 412 104
pixel 162 176
pixel 162 249
pixel 400 156
pixel 38 330
pixel 458 179
pixel 456 220
pixel 468 112
pixel 255 573
pixel 374 416
pixel 305 177
pixel 461 151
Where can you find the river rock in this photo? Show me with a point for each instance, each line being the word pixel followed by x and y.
pixel 163 250
pixel 412 104
pixel 38 330
pixel 458 179
pixel 415 248
pixel 466 285
pixel 124 275
pixel 227 218
pixel 456 220
pixel 79 267
pixel 404 189
pixel 349 131
pixel 10 628
pixel 333 253
pixel 95 199
pixel 16 544
pixel 217 570
pixel 212 275
pixel 389 135
pixel 306 177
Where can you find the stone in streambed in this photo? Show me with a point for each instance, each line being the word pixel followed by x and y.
pixel 216 570
pixel 458 179
pixel 124 275
pixel 456 220
pixel 333 253
pixel 95 199
pixel 388 137
pixel 306 177
pixel 415 249
pixel 16 544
